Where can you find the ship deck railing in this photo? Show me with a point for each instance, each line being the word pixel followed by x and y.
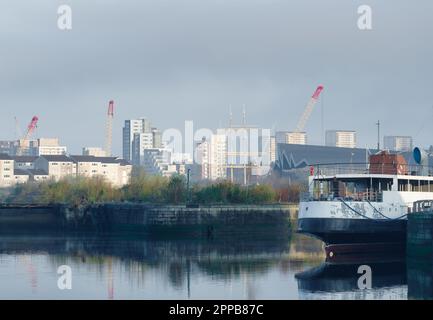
pixel 370 196
pixel 332 169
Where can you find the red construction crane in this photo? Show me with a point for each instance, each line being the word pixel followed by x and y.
pixel 308 109
pixel 109 128
pixel 24 142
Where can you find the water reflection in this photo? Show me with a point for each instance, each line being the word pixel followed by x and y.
pixel 118 267
pixel 420 277
pixel 340 281
pixel 130 268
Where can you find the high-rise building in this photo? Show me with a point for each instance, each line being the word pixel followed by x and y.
pixel 140 143
pixel 130 128
pixel 157 138
pixel 267 150
pixel 291 137
pixel 398 143
pixel 340 138
pixel 250 152
pixel 202 158
pixel 217 156
pixel 281 137
pixel 211 154
pixel 273 149
pixel 179 157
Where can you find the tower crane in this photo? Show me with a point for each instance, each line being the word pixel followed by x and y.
pixel 24 142
pixel 308 109
pixel 109 132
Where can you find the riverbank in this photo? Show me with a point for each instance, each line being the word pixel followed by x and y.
pixel 263 221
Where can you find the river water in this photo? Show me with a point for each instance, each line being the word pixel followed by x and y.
pixel 104 267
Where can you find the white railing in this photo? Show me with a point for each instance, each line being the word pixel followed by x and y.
pixel 365 168
pixel 371 196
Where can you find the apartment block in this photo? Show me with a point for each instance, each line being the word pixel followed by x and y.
pixel 140 143
pixel 398 143
pixel 340 138
pixel 7 177
pixel 132 127
pixel 94 151
pixel 113 170
pixel 47 146
pixel 158 161
pixel 57 166
pixel 20 169
pixel 211 154
pixel 21 176
pixel 291 137
pixel 24 162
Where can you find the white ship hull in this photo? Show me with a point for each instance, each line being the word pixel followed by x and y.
pixel 341 221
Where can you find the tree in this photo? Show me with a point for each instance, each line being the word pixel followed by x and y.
pixel 176 189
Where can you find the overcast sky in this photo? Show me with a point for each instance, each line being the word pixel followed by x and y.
pixel 177 60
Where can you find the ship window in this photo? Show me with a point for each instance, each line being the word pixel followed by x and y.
pixel 353 189
pixel 424 186
pixel 415 185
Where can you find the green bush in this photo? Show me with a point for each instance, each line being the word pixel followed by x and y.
pixel 68 190
pixel 262 194
pixel 225 192
pixel 145 188
pixel 142 188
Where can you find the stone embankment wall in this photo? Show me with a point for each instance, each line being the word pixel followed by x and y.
pixel 209 221
pixel 420 234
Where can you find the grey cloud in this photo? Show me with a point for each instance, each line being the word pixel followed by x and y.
pixel 176 60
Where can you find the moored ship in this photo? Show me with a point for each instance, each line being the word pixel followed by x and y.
pixel 359 207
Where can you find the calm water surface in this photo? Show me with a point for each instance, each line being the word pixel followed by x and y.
pixel 120 268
